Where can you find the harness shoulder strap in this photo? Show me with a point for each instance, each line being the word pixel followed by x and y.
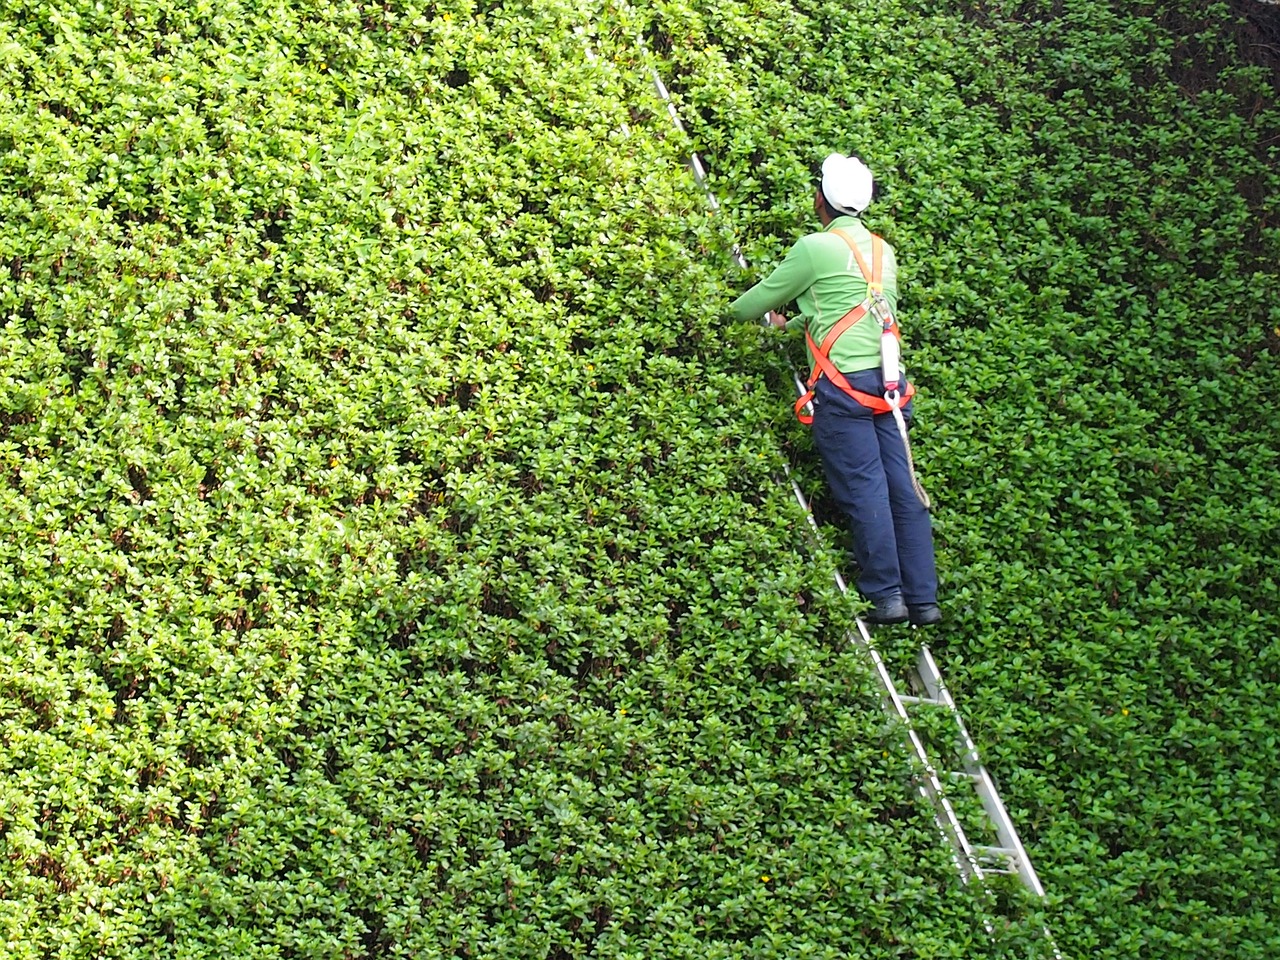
pixel 872 275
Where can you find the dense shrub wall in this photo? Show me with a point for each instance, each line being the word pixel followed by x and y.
pixel 394 563
pixel 1084 195
pixel 392 558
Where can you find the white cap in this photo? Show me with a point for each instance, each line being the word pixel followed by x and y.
pixel 846 183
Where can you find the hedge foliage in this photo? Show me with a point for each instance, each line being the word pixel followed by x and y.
pixel 1086 197
pixel 394 558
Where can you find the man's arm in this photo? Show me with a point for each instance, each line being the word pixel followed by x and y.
pixel 791 278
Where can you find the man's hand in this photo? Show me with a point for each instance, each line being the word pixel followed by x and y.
pixel 777 319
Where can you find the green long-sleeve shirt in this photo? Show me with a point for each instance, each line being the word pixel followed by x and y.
pixel 821 275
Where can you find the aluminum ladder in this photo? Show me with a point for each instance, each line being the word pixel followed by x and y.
pixel 978 862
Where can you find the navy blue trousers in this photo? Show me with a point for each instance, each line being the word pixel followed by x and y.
pixel 867 470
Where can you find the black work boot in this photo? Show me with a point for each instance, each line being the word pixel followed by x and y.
pixel 924 614
pixel 888 609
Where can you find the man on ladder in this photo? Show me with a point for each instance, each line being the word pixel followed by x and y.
pixel 844 281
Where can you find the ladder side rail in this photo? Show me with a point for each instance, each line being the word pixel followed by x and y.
pixel 988 792
pixel 931 678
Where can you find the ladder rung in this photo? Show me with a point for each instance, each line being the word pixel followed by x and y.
pixel 964 775
pixel 1007 854
pixel 1003 871
pixel 908 698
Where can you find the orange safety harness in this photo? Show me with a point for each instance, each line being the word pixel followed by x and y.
pixel 874 304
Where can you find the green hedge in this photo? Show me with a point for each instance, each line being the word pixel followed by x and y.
pixel 394 562
pixel 1084 198
pixel 393 559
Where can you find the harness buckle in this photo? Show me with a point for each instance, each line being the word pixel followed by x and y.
pixel 880 310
